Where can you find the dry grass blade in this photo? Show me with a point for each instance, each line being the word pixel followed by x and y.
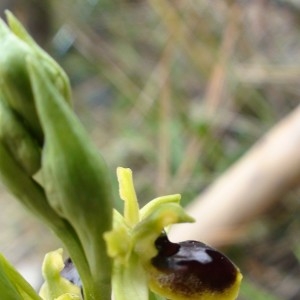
pixel 164 136
pixel 170 16
pixel 217 84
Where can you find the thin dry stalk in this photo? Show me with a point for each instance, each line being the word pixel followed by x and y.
pixel 200 54
pixel 214 94
pixel 153 86
pixel 164 138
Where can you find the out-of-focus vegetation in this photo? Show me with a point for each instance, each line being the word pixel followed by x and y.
pixel 177 90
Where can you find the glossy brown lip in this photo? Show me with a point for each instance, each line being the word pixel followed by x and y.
pixel 191 266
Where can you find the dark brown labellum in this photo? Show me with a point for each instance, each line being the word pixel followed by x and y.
pixel 191 268
pixel 186 270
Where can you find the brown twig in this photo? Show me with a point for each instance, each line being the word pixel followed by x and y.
pixel 264 175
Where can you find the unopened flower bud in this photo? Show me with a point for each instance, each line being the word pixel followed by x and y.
pixel 15 87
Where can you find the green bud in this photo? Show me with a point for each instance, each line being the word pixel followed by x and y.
pixel 18 141
pixel 16 45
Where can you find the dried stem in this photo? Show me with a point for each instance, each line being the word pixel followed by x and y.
pixel 264 175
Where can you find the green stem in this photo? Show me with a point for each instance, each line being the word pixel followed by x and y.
pixel 76 252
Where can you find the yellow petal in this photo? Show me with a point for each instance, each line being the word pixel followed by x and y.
pixel 127 193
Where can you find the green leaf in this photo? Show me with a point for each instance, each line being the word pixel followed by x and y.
pixel 12 285
pixel 75 177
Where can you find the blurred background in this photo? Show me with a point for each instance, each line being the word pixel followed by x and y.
pixel 177 90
